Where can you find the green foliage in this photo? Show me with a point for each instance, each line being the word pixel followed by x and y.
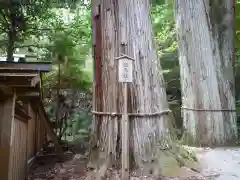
pixel 165 36
pixel 71 41
pixel 80 126
pixel 61 33
pixel 237 61
pixel 69 45
pixel 18 21
pixel 58 34
pixel 238 108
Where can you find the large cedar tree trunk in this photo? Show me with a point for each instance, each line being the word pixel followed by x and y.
pixel 206 50
pixel 146 93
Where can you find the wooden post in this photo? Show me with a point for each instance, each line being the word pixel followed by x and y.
pixel 125 75
pixel 125 136
pixel 6 131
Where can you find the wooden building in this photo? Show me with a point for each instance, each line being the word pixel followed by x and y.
pixel 24 125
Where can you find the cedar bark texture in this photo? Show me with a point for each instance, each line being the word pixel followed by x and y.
pixel 206 37
pixel 126 26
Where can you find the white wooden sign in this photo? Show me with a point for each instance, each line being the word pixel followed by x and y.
pixel 125 69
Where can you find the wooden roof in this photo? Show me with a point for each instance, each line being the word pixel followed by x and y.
pixel 22 77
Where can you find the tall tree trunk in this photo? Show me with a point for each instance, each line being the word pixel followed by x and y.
pixel 147 95
pixel 57 113
pixel 10 45
pixel 12 35
pixel 206 50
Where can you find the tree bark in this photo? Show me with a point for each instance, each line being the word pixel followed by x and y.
pixel 206 37
pixel 126 25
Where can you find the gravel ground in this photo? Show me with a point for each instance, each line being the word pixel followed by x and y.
pixel 224 163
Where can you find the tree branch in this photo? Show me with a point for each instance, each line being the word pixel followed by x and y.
pixel 172 80
pixel 6 24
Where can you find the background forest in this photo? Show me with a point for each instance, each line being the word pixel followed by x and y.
pixel 61 33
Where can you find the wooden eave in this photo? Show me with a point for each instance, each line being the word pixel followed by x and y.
pixel 24 77
pixel 25 66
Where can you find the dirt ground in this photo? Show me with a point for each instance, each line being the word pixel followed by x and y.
pixel 216 164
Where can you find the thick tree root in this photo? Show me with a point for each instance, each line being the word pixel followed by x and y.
pixel 165 159
pixel 168 162
pixel 172 155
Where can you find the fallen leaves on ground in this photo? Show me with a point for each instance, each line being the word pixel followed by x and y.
pixel 75 169
pixel 78 172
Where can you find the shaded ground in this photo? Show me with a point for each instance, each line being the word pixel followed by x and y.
pixel 217 164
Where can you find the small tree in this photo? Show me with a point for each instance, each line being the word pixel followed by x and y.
pixel 206 51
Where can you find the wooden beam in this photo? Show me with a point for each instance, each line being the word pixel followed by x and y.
pixel 29 94
pixel 15 83
pixel 18 71
pixel 36 80
pixel 29 66
pixel 20 81
pixel 18 74
pixel 6 134
pixel 38 108
pixel 27 97
pixel 23 90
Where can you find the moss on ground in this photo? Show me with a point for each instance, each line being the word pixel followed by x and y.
pixel 171 160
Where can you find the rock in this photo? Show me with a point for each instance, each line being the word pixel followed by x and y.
pixel 77 156
pixel 167 165
pixel 62 171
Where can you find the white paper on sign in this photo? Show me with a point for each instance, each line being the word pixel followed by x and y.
pixel 125 68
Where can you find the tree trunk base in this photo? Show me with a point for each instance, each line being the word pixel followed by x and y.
pixel 188 139
pixel 191 140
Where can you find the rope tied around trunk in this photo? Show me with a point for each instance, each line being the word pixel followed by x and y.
pixel 210 110
pixel 167 111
